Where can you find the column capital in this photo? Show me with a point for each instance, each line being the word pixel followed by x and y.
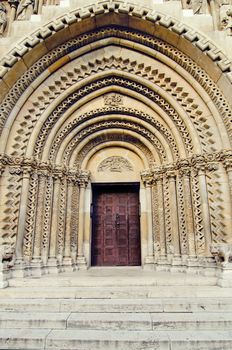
pixel 83 178
pixel 147 177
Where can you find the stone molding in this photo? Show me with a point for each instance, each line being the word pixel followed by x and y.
pixel 22 165
pixel 182 60
pixel 142 13
pixel 206 162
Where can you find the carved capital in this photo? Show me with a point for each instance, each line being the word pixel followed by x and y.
pixel 83 178
pixel 147 178
pixel 171 174
pixel 185 172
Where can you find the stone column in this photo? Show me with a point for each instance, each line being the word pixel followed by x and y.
pixel 19 262
pixel 148 180
pixel 36 263
pixel 68 261
pixel 205 208
pixel 52 256
pixel 161 215
pixel 174 212
pixel 185 173
pixel 83 182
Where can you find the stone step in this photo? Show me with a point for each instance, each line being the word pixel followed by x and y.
pixel 55 320
pixel 146 321
pixel 120 340
pixel 150 305
pixel 116 321
pixel 116 292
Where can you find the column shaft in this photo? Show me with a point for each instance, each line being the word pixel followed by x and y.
pixel 54 220
pixel 174 215
pixel 205 210
pixel 22 215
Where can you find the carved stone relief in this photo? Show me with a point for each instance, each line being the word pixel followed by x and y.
pixel 113 100
pixel 226 18
pixel 3 18
pixel 25 9
pixel 115 164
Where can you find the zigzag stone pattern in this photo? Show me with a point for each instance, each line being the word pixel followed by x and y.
pixel 97 91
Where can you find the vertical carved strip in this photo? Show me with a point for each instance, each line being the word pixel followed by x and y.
pixel 181 216
pixel 161 214
pixel 219 203
pixel 156 221
pixel 74 221
pixel 47 218
pixel 22 213
pixel 199 233
pixel 189 212
pixel 30 219
pixel 10 203
pixel 174 213
pixel 39 224
pixel 167 211
pixel 54 217
pixel 67 239
pixel 205 209
pixel 61 220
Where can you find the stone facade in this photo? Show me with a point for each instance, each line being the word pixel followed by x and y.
pixel 107 93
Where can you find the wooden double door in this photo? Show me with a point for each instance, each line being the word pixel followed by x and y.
pixel 116 226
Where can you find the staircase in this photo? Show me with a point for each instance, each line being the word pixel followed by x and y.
pixel 116 309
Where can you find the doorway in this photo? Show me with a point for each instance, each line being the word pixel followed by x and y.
pixel 116 225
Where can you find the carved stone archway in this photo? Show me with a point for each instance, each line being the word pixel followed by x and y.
pixel 148 97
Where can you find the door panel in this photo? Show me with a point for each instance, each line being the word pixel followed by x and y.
pixel 116 227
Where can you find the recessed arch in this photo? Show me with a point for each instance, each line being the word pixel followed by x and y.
pixel 184 135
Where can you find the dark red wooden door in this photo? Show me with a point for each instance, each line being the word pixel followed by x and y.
pixel 116 227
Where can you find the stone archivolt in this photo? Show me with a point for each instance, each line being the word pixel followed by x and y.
pixel 170 112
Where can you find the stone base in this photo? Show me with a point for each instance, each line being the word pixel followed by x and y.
pixel 149 263
pixel 68 265
pixel 37 268
pixel 177 264
pixel 81 263
pixel 53 266
pixel 162 264
pixel 225 276
pixel 20 269
pixel 4 275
